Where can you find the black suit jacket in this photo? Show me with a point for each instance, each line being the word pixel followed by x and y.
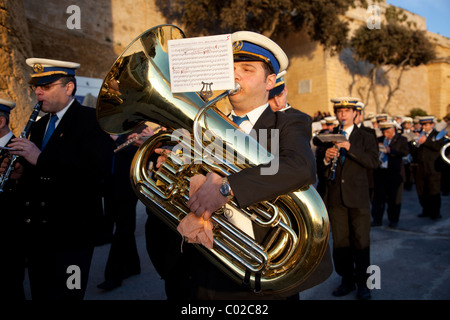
pixel 296 169
pixel 9 184
pixel 428 154
pixel 399 148
pixel 296 163
pixel 8 199
pixel 62 193
pixel 351 185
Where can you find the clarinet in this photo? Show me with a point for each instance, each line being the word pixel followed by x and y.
pixel 25 133
pixel 334 163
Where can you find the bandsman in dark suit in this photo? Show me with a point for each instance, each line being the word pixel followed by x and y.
pixel 381 117
pixel 5 133
pixel 330 123
pixel 61 177
pixel 13 263
pixel 390 175
pixel 408 132
pixel 347 199
pixel 359 122
pixel 429 167
pixel 257 61
pixel 278 96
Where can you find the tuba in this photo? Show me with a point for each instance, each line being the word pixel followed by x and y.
pixel 137 89
pixel 445 154
pixel 444 134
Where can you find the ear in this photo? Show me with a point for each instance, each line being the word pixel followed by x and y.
pixel 69 88
pixel 2 122
pixel 271 81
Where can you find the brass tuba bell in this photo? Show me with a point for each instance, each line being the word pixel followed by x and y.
pixel 444 133
pixel 136 90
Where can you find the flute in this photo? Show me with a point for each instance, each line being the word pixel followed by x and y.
pixel 129 142
pixel 143 137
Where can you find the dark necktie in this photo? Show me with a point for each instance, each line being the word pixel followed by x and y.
pixel 384 157
pixel 239 120
pixel 50 129
pixel 343 150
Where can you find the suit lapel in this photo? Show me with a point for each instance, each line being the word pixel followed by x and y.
pixel 38 131
pixel 266 121
pixel 59 131
pixel 354 133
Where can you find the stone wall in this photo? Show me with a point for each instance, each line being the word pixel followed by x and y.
pixel 31 28
pixel 15 46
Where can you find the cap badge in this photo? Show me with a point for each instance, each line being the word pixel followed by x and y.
pixel 38 68
pixel 237 46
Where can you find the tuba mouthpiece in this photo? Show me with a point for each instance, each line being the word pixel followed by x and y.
pixel 237 89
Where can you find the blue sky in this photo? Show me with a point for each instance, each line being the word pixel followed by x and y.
pixel 436 13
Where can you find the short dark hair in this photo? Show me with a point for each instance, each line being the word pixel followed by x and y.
pixel 67 79
pixel 268 69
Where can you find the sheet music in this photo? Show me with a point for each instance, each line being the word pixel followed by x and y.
pixel 193 61
pixel 332 137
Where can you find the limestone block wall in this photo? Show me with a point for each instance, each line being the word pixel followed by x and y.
pixel 15 45
pixel 30 28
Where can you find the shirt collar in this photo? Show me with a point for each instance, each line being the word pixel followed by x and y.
pixel 254 115
pixel 61 113
pixel 349 131
pixel 4 140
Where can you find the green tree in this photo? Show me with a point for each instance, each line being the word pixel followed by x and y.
pixel 392 47
pixel 273 18
pixel 417 112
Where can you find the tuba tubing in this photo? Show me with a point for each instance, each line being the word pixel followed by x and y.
pixel 444 154
pixel 137 90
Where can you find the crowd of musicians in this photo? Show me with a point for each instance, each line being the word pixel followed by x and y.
pixel 418 161
pixel 362 166
pixel 414 160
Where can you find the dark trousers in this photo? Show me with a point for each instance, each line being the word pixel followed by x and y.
pixel 12 266
pixel 123 259
pixel 428 186
pixel 50 276
pixel 388 190
pixel 351 242
pixel 409 177
pixel 445 180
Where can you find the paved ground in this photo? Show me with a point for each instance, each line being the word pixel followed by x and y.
pixel 414 261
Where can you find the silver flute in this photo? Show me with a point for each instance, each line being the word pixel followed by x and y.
pixel 129 142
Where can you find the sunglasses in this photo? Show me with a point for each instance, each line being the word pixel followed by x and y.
pixel 46 87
